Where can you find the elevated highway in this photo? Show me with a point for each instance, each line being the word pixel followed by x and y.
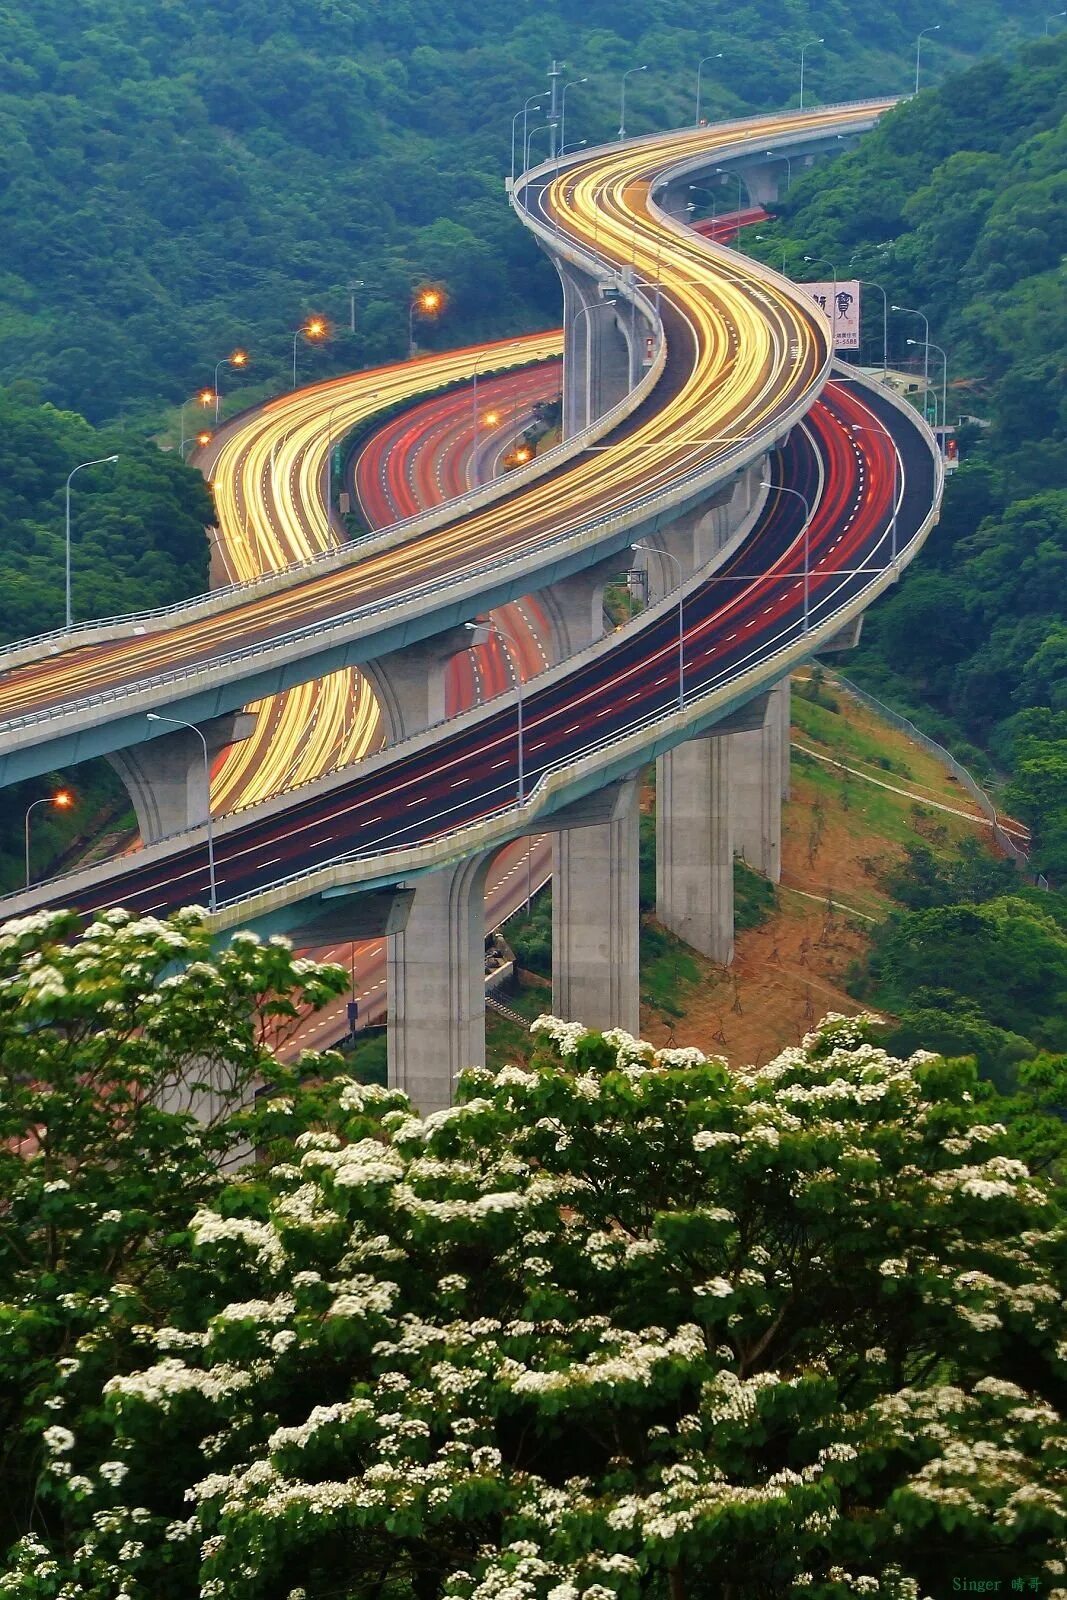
pixel 743 356
pixel 739 358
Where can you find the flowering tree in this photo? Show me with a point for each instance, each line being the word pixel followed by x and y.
pixel 109 1041
pixel 623 1324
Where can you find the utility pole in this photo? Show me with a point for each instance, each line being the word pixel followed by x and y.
pixel 555 71
pixel 356 283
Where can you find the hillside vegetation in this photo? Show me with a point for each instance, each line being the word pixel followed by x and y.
pixel 957 205
pixel 178 177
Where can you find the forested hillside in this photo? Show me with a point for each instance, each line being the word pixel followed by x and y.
pixel 957 205
pixel 176 177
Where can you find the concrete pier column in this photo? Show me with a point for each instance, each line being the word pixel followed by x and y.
pixel 164 776
pixel 595 918
pixel 694 846
pixel 784 691
pixel 575 605
pixel 409 684
pixel 756 792
pixel 436 985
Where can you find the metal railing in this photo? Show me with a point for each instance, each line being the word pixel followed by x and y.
pixel 966 779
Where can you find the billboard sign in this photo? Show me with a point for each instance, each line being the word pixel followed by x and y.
pixel 842 301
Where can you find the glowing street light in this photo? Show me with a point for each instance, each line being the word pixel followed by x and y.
pixel 204 398
pixel 203 438
pixel 427 301
pixel 239 358
pixel 312 330
pixel 61 800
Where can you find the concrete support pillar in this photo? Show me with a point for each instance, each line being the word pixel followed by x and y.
pixel 694 846
pixel 409 684
pixel 575 605
pixel 596 919
pixel 436 985
pixel 756 792
pixel 784 691
pixel 164 777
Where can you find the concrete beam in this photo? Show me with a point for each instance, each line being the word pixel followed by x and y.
pixel 164 777
pixel 409 684
pixel 436 985
pixel 847 639
pixel 694 846
pixel 339 918
pixel 596 918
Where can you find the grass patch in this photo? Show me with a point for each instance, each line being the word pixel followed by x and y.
pixel 669 970
pixel 754 898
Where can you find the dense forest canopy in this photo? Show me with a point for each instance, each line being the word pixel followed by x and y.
pixel 178 177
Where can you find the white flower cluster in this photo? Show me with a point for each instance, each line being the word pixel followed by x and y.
pixel 207 1228
pixel 566 1036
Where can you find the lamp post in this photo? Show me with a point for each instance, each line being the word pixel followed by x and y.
pixel 651 550
pixel 780 155
pixel 523 113
pixel 805 47
pixel 1053 18
pixel 622 102
pixel 563 109
pixel 354 284
pixel 911 312
pixel 313 328
pixel 426 303
pixel 782 488
pixel 944 390
pixel 204 398
pixel 509 645
pixel 867 284
pixel 934 28
pixel 239 358
pixel 761 237
pixel 815 261
pixel 725 173
pixel 582 311
pixel 100 461
pixel 62 800
pixel 178 722
pixel 530 137
pixel 700 68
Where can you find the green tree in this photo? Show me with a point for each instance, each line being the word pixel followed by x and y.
pixel 623 1324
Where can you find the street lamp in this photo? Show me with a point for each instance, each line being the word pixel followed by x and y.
pixel 815 261
pixel 204 398
pixel 563 108
pixel 530 137
pixel 944 390
pixel 934 28
pixel 100 461
pixel 178 722
pixel 651 550
pixel 62 800
pixel 740 191
pixel 805 47
pixel 700 68
pixel 356 283
pixel 622 103
pixel 524 113
pixel 314 328
pixel 780 155
pixel 911 312
pixel 1053 17
pixel 426 302
pixel 509 644
pixel 783 489
pixel 239 358
pixel 868 284
pixel 764 238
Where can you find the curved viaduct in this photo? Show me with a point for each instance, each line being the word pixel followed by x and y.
pixel 711 452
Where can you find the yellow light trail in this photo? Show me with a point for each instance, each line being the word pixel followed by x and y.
pixel 754 350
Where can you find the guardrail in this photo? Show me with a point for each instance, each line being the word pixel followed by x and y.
pixel 980 796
